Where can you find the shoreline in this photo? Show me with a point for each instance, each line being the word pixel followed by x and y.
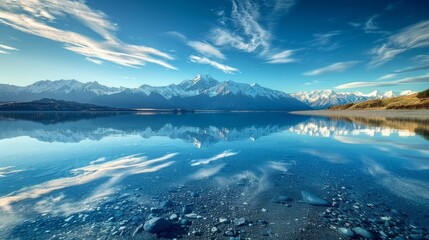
pixel 400 114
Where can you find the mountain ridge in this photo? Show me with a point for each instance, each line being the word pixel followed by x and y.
pixel 322 99
pixel 202 92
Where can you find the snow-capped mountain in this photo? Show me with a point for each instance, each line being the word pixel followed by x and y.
pixel 321 99
pixel 202 92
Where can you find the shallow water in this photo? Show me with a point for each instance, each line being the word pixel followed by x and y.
pixel 102 175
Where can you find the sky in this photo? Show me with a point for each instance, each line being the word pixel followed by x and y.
pixel 288 45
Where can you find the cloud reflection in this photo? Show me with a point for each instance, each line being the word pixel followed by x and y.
pixel 411 189
pixel 206 161
pixel 113 171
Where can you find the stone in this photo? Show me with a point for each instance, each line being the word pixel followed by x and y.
pixel 138 229
pixel 347 232
pixel 156 225
pixel 174 217
pixel 363 232
pixel 193 216
pixel 312 199
pixel 239 221
pixel 187 209
pixel 166 204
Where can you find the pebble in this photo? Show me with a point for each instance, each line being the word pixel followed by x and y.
pixel 363 232
pixel 346 232
pixel 156 225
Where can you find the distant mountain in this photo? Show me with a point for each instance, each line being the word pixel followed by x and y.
pixel 202 92
pixel 53 105
pixel 414 101
pixel 321 99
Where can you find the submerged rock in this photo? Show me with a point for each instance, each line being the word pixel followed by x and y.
pixel 239 221
pixel 312 199
pixel 363 232
pixel 346 232
pixel 156 225
pixel 166 204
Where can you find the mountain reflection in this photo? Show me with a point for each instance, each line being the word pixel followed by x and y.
pixel 200 129
pixel 369 126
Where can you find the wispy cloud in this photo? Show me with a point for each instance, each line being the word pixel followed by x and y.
pixel 411 37
pixel 4 49
pixel 203 48
pixel 323 41
pixel 335 67
pixel 37 17
pixel 387 76
pixel 282 57
pixel 244 30
pixel 220 66
pixel 7 47
pixel 311 83
pixel 96 61
pixel 404 81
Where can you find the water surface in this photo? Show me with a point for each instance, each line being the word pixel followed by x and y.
pixel 102 175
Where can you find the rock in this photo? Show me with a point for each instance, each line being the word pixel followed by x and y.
pixel 155 210
pixel 174 217
pixel 313 199
pixel 363 232
pixel 347 232
pixel 195 194
pixel 157 225
pixel 166 204
pixel 138 229
pixel 416 236
pixel 214 230
pixel 239 221
pixel 185 222
pixel 187 209
pixel 223 220
pixel 193 216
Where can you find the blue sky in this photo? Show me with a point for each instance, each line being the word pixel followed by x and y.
pixel 290 45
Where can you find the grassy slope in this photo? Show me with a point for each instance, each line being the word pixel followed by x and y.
pixel 403 102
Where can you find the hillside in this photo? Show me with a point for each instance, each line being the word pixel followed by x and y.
pixel 413 101
pixel 54 105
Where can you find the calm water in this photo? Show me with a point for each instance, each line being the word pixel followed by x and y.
pixel 100 176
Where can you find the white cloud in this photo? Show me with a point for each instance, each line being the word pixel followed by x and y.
pixel 311 83
pixel 244 29
pixel 5 47
pixel 220 66
pixel 404 81
pixel 387 76
pixel 206 49
pixel 335 67
pixel 96 61
pixel 203 48
pixel 282 57
pixel 411 37
pixel 36 17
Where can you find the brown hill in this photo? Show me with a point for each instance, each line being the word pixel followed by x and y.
pixel 413 101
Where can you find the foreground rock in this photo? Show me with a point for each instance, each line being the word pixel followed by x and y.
pixel 157 225
pixel 313 199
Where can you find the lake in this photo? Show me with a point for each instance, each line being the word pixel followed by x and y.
pixel 212 175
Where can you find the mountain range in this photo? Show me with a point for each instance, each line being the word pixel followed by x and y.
pixel 321 99
pixel 200 93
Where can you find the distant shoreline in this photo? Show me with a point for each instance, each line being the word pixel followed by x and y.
pixel 404 114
